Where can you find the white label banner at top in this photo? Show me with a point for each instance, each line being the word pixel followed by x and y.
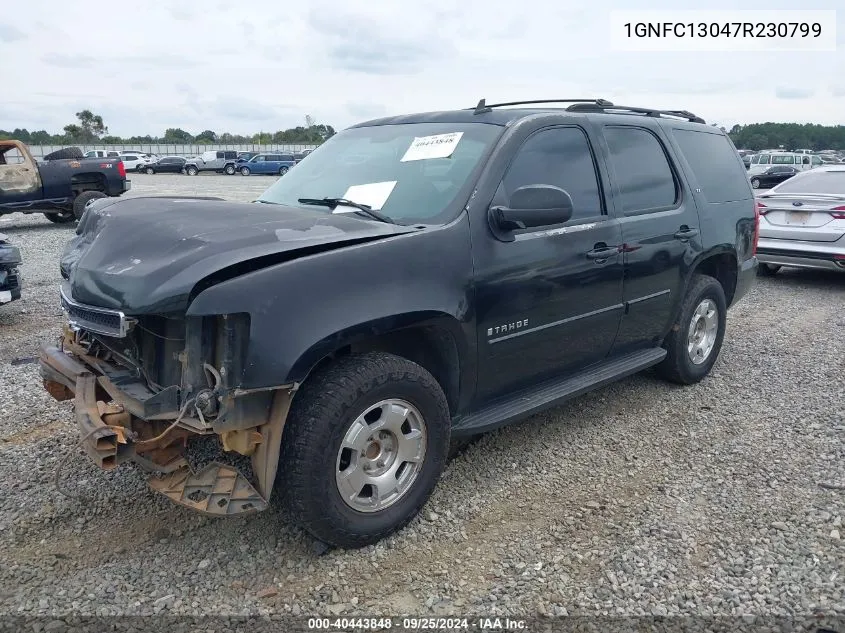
pixel 437 146
pixel 373 194
pixel 731 30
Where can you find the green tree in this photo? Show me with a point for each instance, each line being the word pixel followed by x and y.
pixel 91 126
pixel 177 135
pixel 73 134
pixel 206 136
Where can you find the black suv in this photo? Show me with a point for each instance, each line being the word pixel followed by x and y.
pixel 418 279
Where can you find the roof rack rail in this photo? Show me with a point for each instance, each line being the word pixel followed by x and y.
pixel 600 107
pixel 483 106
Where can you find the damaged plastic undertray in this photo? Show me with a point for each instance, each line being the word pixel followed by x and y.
pixel 217 489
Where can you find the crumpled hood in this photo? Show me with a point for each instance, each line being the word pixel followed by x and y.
pixel 145 255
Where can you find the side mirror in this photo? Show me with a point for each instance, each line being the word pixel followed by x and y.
pixel 533 206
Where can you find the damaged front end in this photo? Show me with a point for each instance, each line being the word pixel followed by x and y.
pixel 161 391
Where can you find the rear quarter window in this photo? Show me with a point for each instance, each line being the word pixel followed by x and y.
pixel 720 176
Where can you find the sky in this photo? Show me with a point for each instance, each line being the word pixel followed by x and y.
pixel 263 65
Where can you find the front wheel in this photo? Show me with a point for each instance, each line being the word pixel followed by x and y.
pixel 150 171
pixel 244 171
pixel 694 342
pixel 363 448
pixel 192 171
pixel 755 183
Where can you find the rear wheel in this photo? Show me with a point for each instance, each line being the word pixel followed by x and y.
pixel 84 198
pixel 230 170
pixel 63 217
pixel 695 340
pixel 244 171
pixel 283 170
pixel 363 448
pixel 768 270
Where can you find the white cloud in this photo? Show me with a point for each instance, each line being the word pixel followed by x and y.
pixel 263 64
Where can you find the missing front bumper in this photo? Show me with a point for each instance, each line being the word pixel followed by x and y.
pixel 111 435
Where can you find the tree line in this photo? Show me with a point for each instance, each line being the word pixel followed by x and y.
pixel 90 129
pixel 757 136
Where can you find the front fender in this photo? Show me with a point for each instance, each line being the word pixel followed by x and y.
pixel 301 310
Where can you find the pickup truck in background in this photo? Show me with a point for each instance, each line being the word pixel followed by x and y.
pixel 60 185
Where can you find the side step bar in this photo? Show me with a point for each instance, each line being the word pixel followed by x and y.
pixel 553 392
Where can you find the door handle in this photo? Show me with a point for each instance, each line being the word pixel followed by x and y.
pixel 601 252
pixel 685 233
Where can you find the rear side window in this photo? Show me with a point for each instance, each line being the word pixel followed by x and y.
pixel 642 171
pixel 712 159
pixel 780 159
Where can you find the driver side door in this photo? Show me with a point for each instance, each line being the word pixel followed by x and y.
pixel 549 299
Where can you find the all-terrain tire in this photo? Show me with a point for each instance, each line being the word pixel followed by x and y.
pixel 322 412
pixel 229 170
pixel 84 198
pixel 678 367
pixel 64 153
pixel 64 217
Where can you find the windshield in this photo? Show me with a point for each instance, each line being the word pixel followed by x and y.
pixel 411 172
pixel 827 182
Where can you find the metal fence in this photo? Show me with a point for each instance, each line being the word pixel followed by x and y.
pixel 164 149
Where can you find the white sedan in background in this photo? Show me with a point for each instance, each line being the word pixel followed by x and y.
pixel 802 222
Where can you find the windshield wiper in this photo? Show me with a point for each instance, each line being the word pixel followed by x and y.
pixel 334 203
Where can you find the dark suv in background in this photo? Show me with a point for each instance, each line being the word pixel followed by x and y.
pixel 418 279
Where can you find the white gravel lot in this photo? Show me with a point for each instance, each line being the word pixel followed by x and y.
pixel 722 499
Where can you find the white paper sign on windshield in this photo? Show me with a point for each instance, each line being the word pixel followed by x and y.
pixel 437 146
pixel 373 194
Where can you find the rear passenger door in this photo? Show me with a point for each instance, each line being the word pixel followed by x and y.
pixel 660 231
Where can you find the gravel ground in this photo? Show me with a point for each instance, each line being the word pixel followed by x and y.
pixel 726 498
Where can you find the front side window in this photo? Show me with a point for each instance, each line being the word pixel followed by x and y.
pixel 560 157
pixel 411 172
pixel 642 171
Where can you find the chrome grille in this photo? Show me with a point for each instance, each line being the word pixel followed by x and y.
pixel 93 319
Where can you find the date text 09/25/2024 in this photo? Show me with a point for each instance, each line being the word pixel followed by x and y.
pixel 417 624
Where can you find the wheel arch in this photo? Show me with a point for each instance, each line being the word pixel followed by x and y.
pixel 722 264
pixel 431 339
pixel 88 181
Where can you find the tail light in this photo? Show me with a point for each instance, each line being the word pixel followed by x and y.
pixel 758 211
pixel 121 169
pixel 838 213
